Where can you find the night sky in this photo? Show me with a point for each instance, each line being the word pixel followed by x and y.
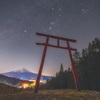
pixel 21 19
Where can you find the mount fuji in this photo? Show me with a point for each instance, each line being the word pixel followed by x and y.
pixel 24 74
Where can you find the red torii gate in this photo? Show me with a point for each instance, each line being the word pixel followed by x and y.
pixel 46 44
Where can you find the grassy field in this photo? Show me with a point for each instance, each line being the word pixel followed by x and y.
pixel 11 93
pixel 52 95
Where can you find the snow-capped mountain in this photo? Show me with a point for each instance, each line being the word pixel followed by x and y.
pixel 24 74
pixel 22 70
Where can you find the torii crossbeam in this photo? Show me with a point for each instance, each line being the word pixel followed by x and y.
pixel 46 44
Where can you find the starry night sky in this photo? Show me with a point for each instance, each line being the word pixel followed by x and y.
pixel 21 19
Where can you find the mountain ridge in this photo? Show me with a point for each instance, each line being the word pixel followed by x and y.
pixel 25 74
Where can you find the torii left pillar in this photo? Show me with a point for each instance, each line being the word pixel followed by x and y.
pixel 41 66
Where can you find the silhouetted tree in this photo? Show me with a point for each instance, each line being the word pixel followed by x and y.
pixel 62 80
pixel 88 66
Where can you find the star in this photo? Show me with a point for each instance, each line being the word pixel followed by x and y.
pixel 59 9
pixel 54 34
pixel 52 9
pixel 25 31
pixel 52 23
pixel 44 30
pixel 83 10
pixel 50 28
pixel 60 15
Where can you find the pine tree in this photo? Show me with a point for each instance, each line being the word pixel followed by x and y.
pixel 61 68
pixel 88 66
pixel 62 80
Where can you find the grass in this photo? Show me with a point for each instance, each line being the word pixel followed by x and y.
pixel 15 94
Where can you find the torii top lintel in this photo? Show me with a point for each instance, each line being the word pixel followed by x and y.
pixel 56 37
pixel 58 44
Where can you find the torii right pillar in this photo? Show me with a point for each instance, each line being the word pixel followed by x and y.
pixel 73 66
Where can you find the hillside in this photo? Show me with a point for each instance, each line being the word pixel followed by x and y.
pixel 7 89
pixel 9 80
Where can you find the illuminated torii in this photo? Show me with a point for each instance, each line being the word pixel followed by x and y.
pixel 46 44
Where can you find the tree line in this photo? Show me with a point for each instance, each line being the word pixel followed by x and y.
pixel 87 65
pixel 62 80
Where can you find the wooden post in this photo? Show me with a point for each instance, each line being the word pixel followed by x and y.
pixel 73 67
pixel 41 66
